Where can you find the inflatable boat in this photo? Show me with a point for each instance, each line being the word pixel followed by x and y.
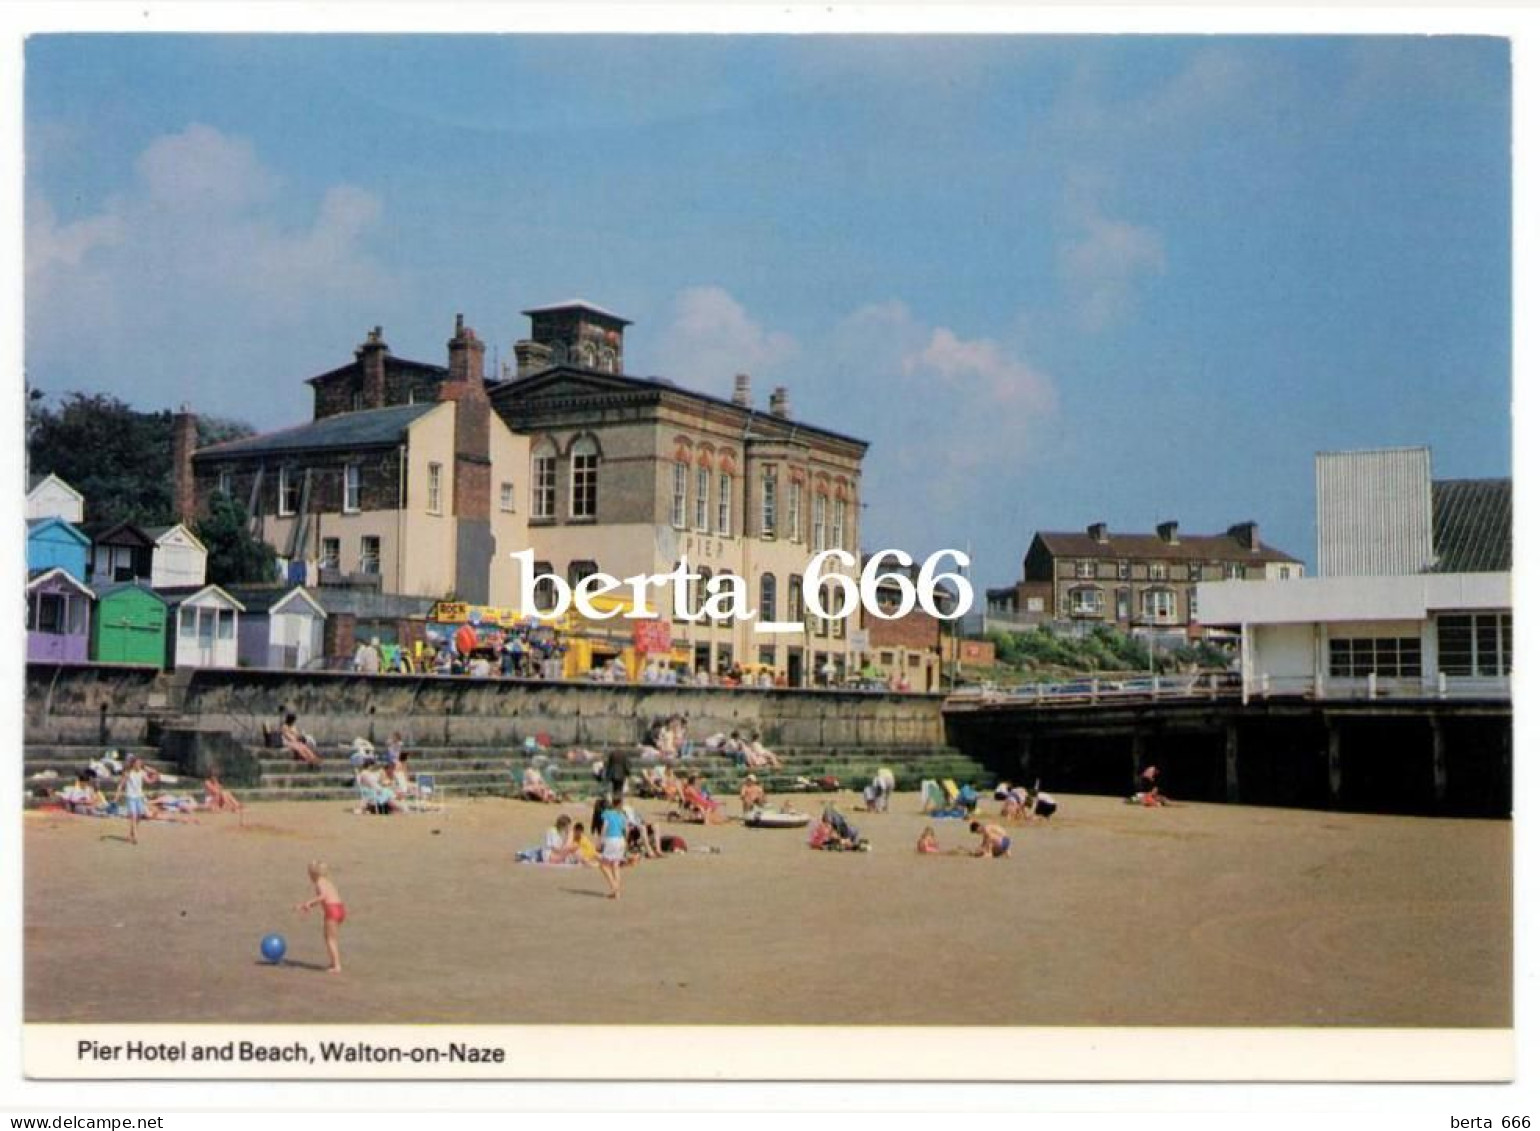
pixel 768 819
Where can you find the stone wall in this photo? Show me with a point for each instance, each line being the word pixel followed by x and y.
pixel 447 710
pixel 118 704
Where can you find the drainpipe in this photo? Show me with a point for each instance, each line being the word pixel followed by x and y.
pixel 400 508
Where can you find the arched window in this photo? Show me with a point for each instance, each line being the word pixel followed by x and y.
pixel 702 498
pixel 545 587
pixel 820 520
pixel 585 478
pixel 542 480
pixel 767 609
pixel 681 486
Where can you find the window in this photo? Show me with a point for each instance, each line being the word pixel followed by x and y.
pixel 288 490
pixel 794 512
pixel 205 619
pixel 767 609
pixel 1234 571
pixel 1123 571
pixel 1475 644
pixel 50 614
pixel 542 482
pixel 767 504
pixel 698 601
pixel 227 483
pixel 505 498
pixel 1085 569
pixel 837 537
pixel 767 655
pixel 1158 606
pixel 1086 601
pixel 820 508
pixel 351 475
pixel 837 623
pixel 545 586
pixel 188 620
pixel 702 498
pixel 794 607
pixel 226 624
pixel 585 478
pixel 1394 656
pixel 681 482
pixel 1123 605
pixel 331 553
pixel 357 401
pixel 576 571
pixel 1159 571
pixel 724 504
pixel 369 554
pixel 1192 604
pixel 435 488
pixel 885 659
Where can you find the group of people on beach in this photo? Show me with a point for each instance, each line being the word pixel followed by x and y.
pixel 131 782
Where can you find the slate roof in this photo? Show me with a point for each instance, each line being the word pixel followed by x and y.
pixel 261 598
pixel 576 304
pixel 1472 525
pixel 1189 547
pixel 393 365
pixel 176 595
pixel 139 583
pixel 110 533
pixel 369 428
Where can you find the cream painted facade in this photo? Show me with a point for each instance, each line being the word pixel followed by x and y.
pixel 509 509
pixel 427 541
pixel 681 476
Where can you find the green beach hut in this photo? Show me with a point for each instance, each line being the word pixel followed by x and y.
pixel 129 626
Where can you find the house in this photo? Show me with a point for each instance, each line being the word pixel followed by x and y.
pixel 1136 582
pixel 281 627
pixel 58 617
pixel 1418 601
pixel 48 496
pixel 203 627
pixel 178 557
pixel 404 479
pixel 55 543
pixel 129 626
pixel 120 551
pixel 630 475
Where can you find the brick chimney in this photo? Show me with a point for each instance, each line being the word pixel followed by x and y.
pixel 532 357
pixel 1248 534
pixel 1098 533
pixel 780 403
pixel 371 356
pixel 1167 533
pixel 741 390
pixel 466 387
pixel 184 441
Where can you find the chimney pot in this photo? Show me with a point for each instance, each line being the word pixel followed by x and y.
pixel 780 403
pixel 741 390
pixel 1167 533
pixel 1098 532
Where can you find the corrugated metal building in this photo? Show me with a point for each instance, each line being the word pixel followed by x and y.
pixel 1374 512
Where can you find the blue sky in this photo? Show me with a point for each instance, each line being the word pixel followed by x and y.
pixel 1053 280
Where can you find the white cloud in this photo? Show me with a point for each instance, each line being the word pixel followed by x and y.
pixel 980 370
pixel 712 337
pixel 202 252
pixel 1101 265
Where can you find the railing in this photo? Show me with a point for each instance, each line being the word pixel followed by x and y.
pixel 1265 686
pixel 1208 685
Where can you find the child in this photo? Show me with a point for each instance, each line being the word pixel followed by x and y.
pixel 927 845
pixel 334 914
pixel 583 847
pixel 613 821
pixel 217 798
pixel 993 843
pixel 131 791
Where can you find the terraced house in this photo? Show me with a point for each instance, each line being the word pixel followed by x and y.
pixel 1146 582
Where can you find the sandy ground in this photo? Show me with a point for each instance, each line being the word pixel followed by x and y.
pixel 1110 915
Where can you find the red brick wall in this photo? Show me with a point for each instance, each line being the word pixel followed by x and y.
pixel 915 629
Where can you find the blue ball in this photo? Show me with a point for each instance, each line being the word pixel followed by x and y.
pixel 273 948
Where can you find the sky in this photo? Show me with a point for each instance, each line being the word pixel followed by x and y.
pixel 1053 280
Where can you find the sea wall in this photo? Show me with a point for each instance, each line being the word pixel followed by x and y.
pixel 69 703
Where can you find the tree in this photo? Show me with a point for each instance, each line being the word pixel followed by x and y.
pixel 117 457
pixel 234 555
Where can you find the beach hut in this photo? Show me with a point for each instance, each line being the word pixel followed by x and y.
pixel 52 542
pixel 58 617
pixel 204 627
pixel 129 626
pixel 120 551
pixel 48 496
pixel 281 627
pixel 178 558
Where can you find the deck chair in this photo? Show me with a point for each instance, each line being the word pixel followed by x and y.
pixel 428 796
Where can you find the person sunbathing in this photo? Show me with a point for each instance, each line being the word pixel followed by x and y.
pixel 295 742
pixel 927 845
pixel 218 799
pixel 84 798
pixel 535 787
pixel 700 803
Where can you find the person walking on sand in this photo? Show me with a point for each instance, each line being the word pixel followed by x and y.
pixel 333 913
pixel 131 793
pixel 612 851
